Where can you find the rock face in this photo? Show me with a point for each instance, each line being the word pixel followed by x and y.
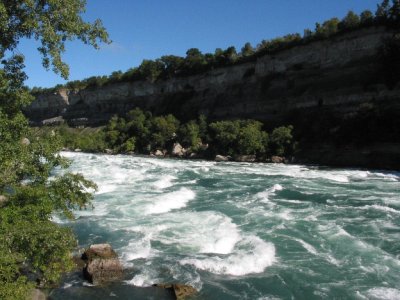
pixel 332 79
pixel 338 74
pixel 102 264
pixel 181 291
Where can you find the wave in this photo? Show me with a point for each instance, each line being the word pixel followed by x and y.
pixel 164 182
pixel 170 201
pixel 383 293
pixel 251 255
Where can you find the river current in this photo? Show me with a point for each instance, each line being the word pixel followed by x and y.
pixel 241 230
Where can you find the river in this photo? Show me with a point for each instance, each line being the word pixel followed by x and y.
pixel 241 230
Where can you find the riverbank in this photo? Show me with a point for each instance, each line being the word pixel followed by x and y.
pixel 323 157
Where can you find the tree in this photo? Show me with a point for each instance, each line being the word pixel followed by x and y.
pixel 194 61
pixel 366 17
pixel 163 129
pixel 247 50
pixel 281 141
pixel 330 27
pixel 27 236
pixel 252 140
pixel 230 54
pixel 350 21
pixel 394 11
pixel 189 135
pixel 172 64
pixel 382 11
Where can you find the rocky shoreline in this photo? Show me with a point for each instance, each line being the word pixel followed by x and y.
pixel 323 157
pixel 101 268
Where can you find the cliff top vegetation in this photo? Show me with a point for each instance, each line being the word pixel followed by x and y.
pixel 170 66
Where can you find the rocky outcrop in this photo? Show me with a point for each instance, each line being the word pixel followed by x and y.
pixel 181 291
pixel 101 264
pixel 339 74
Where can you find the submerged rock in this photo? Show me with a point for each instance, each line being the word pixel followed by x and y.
pixel 181 291
pixel 102 264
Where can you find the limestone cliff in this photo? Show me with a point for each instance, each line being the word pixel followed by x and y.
pixel 337 76
pixel 339 73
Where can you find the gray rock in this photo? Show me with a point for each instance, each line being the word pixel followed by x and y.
pixel 102 264
pixel 221 158
pixel 78 150
pixel 178 150
pixel 158 153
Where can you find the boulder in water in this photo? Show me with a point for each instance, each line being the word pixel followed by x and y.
pixel 181 291
pixel 101 264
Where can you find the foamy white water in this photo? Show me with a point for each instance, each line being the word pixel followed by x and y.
pixel 245 231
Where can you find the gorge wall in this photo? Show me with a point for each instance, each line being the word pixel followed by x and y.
pixel 338 77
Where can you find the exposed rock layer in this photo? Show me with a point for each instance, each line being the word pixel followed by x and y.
pixel 337 78
pixel 339 73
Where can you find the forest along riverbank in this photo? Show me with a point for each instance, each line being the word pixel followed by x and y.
pixel 242 230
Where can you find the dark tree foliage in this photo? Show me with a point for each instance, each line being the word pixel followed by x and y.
pixel 238 137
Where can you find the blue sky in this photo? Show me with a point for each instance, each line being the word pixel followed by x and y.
pixel 152 28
